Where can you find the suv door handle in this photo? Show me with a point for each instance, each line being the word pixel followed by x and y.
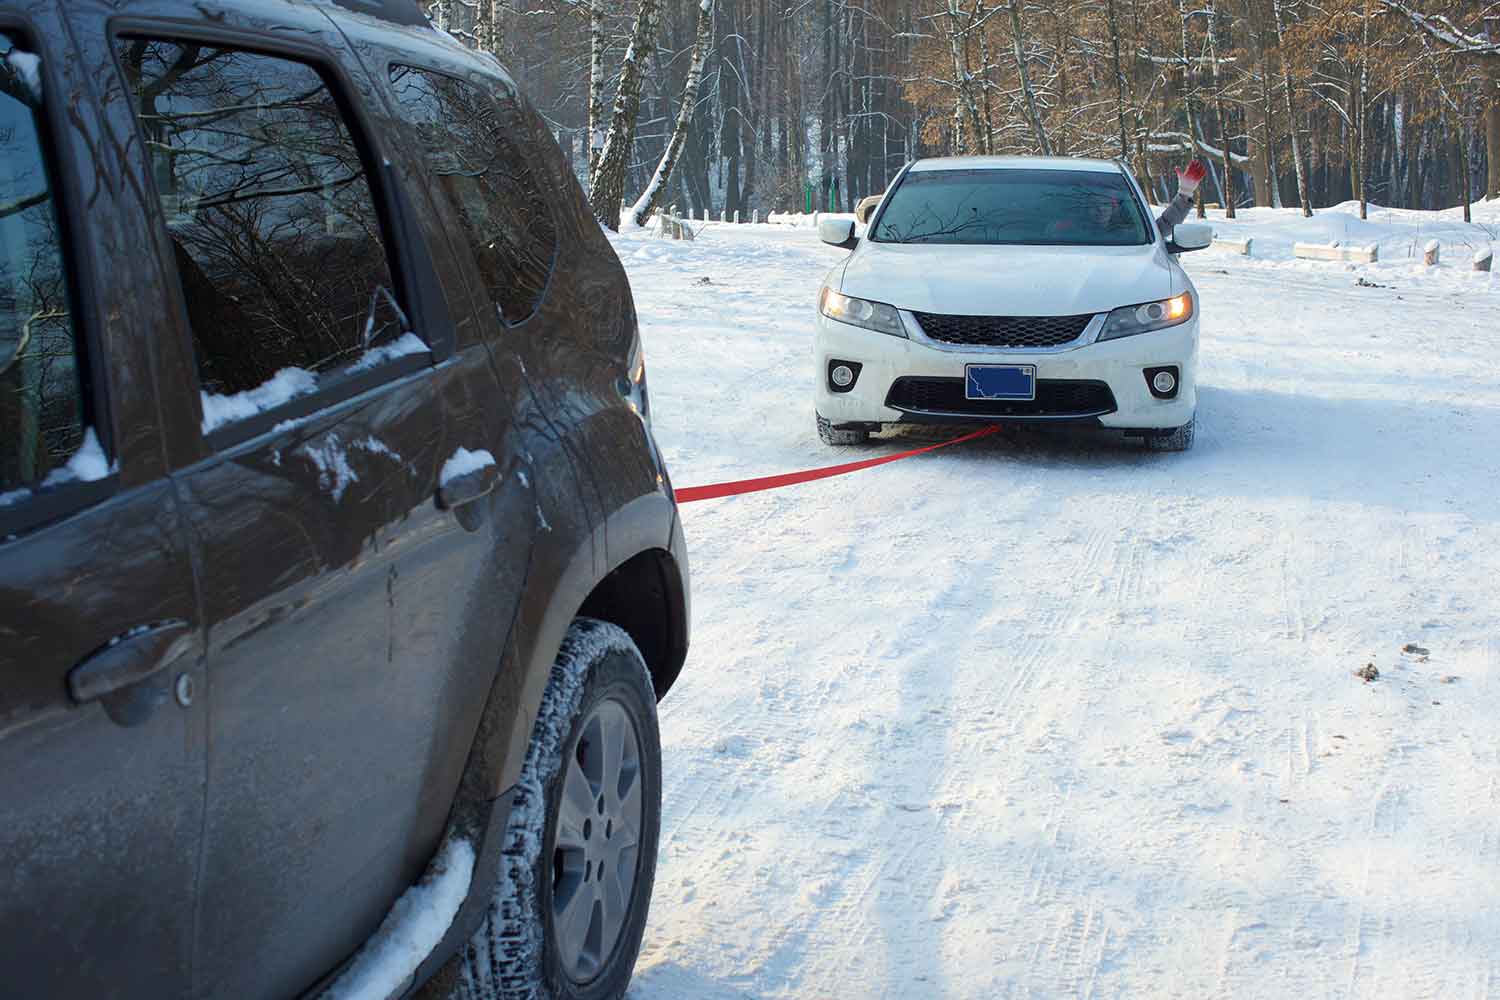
pixel 128 674
pixel 458 493
pixel 468 487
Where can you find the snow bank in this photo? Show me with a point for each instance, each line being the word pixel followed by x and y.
pixel 414 926
pixel 462 462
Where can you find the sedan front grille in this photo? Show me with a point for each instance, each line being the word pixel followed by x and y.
pixel 1003 331
pixel 1056 399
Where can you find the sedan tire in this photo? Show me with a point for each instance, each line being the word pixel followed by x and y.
pixel 1176 439
pixel 840 436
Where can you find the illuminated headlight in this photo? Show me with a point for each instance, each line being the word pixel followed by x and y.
pixel 1128 320
pixel 875 316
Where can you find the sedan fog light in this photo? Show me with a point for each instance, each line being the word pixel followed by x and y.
pixel 842 374
pixel 1164 381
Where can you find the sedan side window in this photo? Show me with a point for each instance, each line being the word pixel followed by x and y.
pixel 42 428
pixel 470 140
pixel 276 236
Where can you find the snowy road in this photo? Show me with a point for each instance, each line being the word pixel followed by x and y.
pixel 1052 716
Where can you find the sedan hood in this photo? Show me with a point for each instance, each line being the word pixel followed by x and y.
pixel 1007 280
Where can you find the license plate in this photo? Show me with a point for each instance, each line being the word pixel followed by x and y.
pixel 1000 381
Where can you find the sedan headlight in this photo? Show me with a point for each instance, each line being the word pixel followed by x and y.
pixel 1129 320
pixel 875 316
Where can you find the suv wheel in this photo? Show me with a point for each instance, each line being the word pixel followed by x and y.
pixel 575 882
pixel 1176 439
pixel 835 435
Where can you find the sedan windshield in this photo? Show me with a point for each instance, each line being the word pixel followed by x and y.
pixel 1048 207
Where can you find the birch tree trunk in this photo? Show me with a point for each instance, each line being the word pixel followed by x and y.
pixel 1017 42
pixel 1492 148
pixel 607 183
pixel 1364 114
pixel 1187 95
pixel 595 137
pixel 966 111
pixel 1213 54
pixel 656 190
pixel 1291 115
pixel 1114 40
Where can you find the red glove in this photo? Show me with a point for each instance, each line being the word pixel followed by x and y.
pixel 1189 179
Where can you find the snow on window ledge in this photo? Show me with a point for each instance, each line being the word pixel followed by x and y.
pixel 284 386
pixel 462 462
pixel 414 926
pixel 28 66
pixel 89 464
pixel 404 346
pixel 289 383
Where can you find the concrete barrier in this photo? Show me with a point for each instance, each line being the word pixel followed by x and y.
pixel 1334 251
pixel 1241 247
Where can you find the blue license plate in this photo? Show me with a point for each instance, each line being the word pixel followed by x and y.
pixel 1000 381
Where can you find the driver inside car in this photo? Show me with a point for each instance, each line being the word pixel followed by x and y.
pixel 1101 211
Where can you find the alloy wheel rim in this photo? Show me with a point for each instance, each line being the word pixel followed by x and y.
pixel 597 841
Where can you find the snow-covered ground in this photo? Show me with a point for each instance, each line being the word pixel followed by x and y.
pixel 1052 716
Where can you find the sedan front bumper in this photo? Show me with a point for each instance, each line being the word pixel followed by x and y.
pixel 1064 377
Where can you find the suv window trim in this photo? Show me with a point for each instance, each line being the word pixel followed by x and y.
pixel 484 84
pixel 47 504
pixel 334 388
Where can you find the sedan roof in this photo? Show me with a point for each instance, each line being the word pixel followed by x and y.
pixel 1015 163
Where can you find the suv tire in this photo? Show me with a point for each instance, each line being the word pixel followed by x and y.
pixel 551 932
pixel 1176 439
pixel 840 436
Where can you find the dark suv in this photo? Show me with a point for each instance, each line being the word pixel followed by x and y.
pixel 337 561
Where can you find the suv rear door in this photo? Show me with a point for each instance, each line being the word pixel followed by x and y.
pixel 101 732
pixel 356 611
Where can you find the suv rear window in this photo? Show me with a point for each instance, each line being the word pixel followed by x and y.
pixel 273 226
pixel 41 401
pixel 470 141
pixel 999 206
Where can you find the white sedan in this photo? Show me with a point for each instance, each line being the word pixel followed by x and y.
pixel 1004 289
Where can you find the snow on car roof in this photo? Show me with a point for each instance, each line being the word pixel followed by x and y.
pixel 1015 163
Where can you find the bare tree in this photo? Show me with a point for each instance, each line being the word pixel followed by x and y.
pixel 651 197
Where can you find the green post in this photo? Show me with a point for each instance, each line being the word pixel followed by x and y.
pixel 808 196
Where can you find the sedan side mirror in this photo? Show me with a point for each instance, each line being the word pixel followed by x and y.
pixel 838 233
pixel 1190 236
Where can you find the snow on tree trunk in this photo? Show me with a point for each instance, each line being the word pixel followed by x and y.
pixel 607 183
pixel 649 198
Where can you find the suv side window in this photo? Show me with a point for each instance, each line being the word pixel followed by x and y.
pixel 273 226
pixel 470 140
pixel 42 426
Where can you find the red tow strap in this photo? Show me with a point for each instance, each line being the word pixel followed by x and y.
pixel 717 490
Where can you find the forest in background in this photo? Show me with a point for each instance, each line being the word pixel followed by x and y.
pixel 782 105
